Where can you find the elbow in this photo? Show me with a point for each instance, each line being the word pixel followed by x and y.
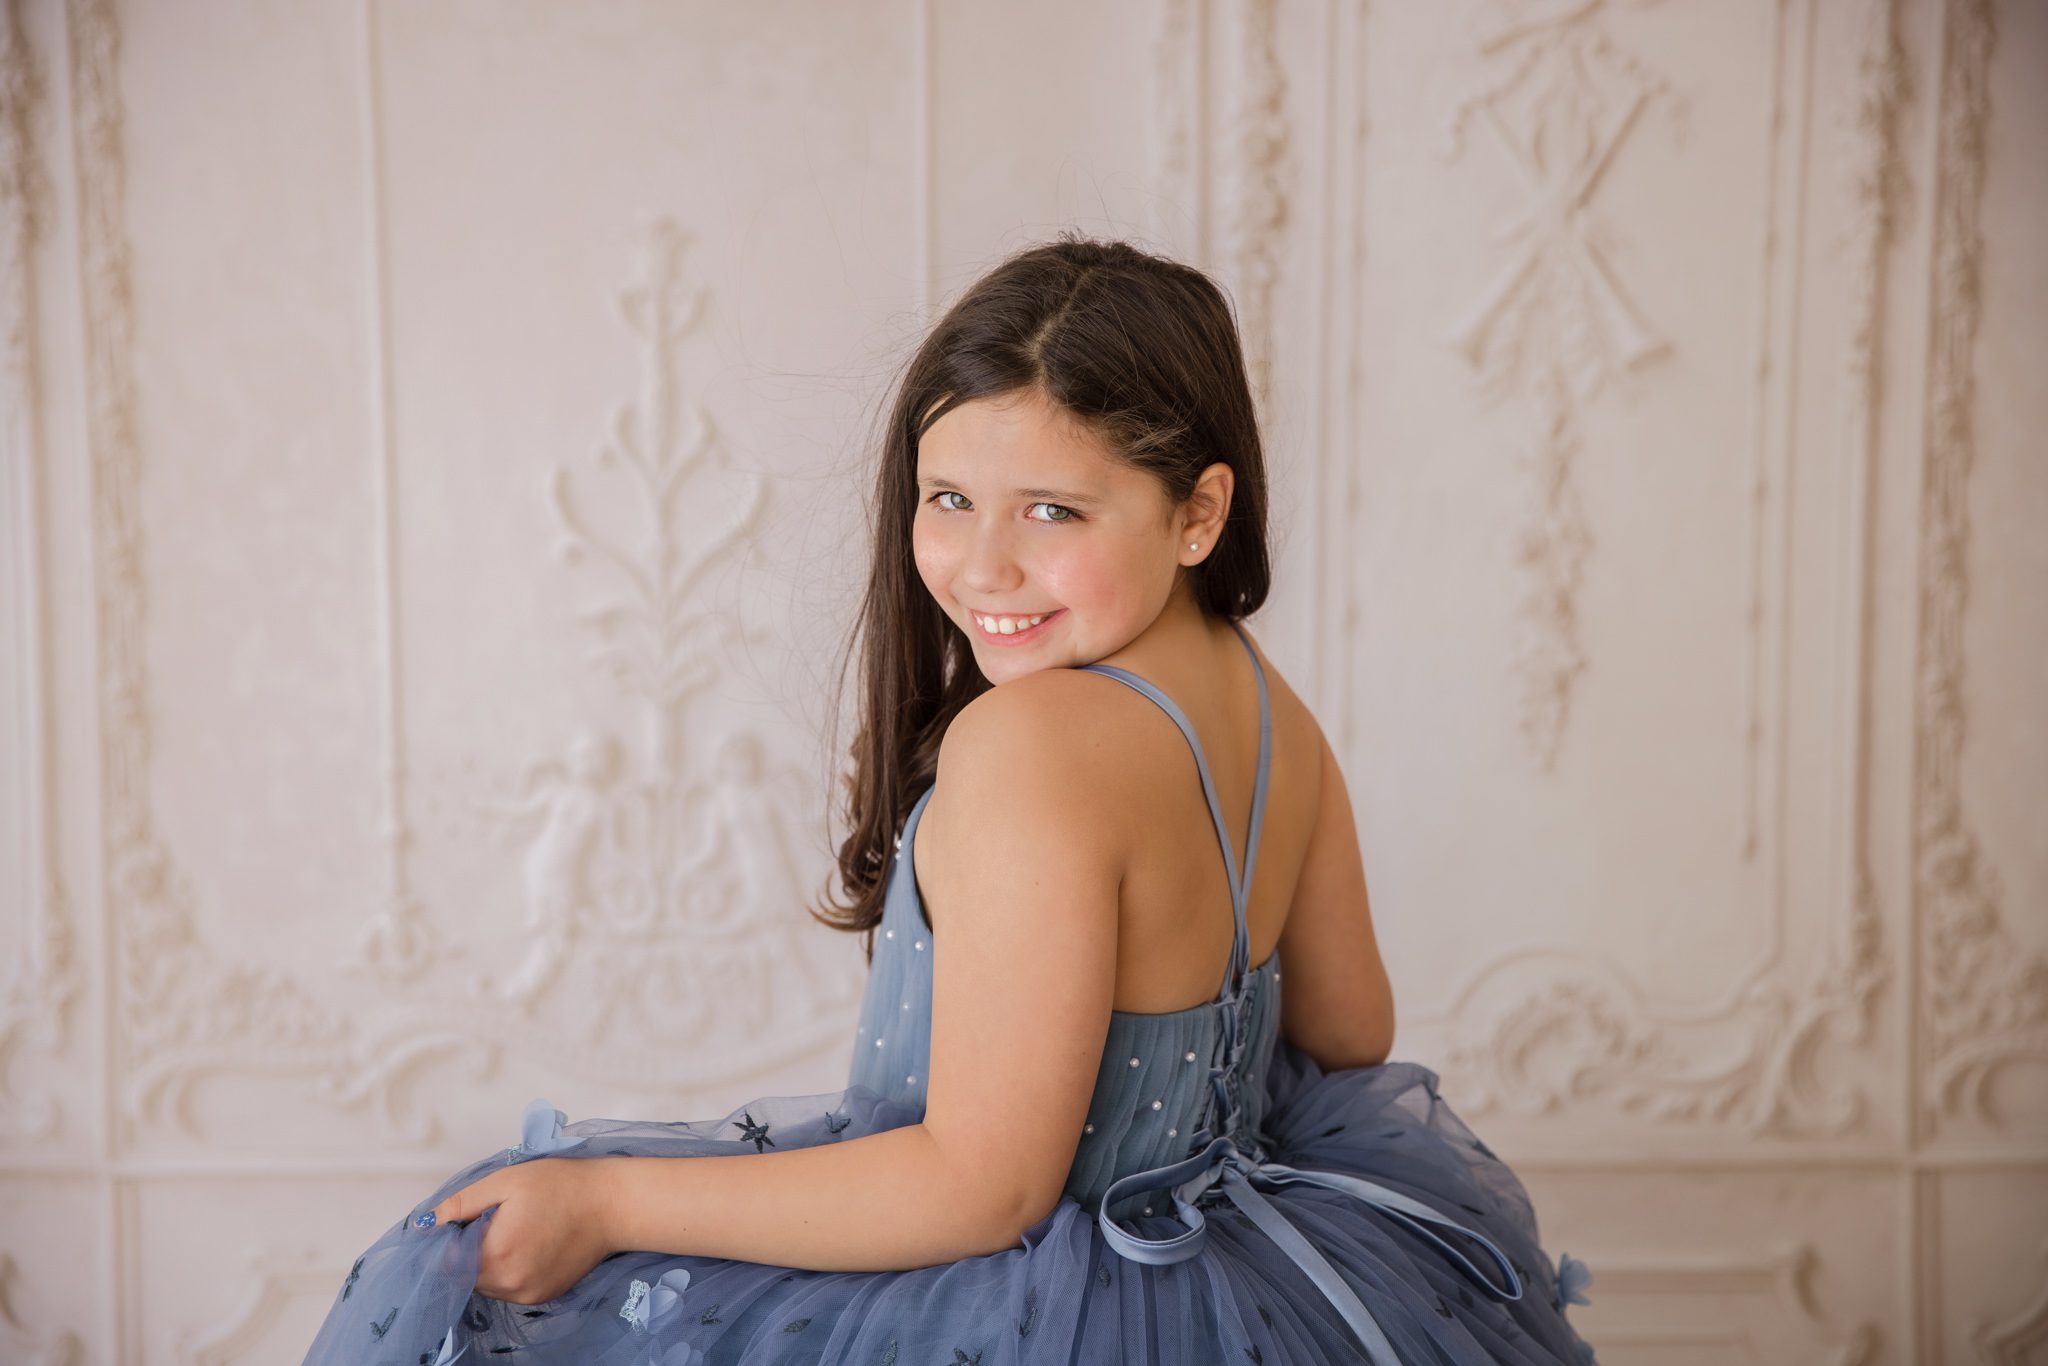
pixel 1380 1043
pixel 1022 1215
pixel 1364 1041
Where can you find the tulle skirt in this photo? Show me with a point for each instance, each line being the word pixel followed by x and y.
pixel 1062 1296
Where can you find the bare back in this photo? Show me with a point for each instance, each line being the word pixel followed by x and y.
pixel 1308 897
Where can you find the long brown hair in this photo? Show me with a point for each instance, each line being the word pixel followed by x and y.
pixel 1143 349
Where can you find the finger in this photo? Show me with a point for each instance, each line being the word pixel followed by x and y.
pixel 467 1203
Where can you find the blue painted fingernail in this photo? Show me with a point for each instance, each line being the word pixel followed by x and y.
pixel 425 1220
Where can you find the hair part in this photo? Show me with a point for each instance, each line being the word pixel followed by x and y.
pixel 1142 349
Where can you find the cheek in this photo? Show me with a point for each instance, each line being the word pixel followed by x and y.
pixel 933 561
pixel 1101 575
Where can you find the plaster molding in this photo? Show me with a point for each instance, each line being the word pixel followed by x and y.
pixel 1753 1062
pixel 2011 1341
pixel 1984 998
pixel 20 1345
pixel 1777 1309
pixel 1258 162
pixel 271 1280
pixel 183 1009
pixel 1559 99
pixel 658 862
pixel 43 980
pixel 1176 93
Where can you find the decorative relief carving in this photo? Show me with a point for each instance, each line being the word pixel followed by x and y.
pixel 271 1281
pixel 1259 160
pixel 655 871
pixel 1176 114
pixel 1985 998
pixel 183 1010
pixel 398 941
pixel 40 985
pixel 1533 1030
pixel 1532 1046
pixel 1757 1311
pixel 2011 1341
pixel 20 1346
pixel 1253 161
pixel 1559 102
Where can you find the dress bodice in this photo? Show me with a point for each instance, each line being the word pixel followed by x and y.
pixel 1174 1123
pixel 1169 1081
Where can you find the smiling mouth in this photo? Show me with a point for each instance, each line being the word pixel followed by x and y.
pixel 1020 633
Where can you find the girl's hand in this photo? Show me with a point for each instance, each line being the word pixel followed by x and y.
pixel 549 1230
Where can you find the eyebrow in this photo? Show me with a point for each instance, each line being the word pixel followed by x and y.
pixel 1052 495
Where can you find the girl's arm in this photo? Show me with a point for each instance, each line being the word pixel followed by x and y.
pixel 1019 857
pixel 1339 1005
pixel 883 1202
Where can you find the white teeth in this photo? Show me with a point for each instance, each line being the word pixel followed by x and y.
pixel 1009 626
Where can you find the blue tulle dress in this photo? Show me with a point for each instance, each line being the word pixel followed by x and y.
pixel 1229 1202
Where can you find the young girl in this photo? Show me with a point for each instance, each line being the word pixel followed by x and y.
pixel 1097 1131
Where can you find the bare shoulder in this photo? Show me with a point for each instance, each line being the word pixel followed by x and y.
pixel 1056 742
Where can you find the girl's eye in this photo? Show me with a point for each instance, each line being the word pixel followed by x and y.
pixel 1067 513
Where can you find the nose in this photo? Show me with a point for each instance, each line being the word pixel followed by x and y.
pixel 987 567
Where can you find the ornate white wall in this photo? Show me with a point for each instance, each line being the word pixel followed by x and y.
pixel 432 488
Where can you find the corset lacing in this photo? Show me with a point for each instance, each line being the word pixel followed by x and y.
pixel 1226 1154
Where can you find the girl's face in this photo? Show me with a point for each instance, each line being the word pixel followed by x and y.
pixel 1022 513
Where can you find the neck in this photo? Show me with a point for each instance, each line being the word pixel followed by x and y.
pixel 1180 633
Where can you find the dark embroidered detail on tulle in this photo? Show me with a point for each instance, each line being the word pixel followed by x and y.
pixel 1030 1312
pixel 796 1325
pixel 1102 1274
pixel 757 1132
pixel 427 1357
pixel 618 1152
pixel 889 1353
pixel 834 1121
pixel 474 1318
pixel 788 1276
pixel 1464 1297
pixel 961 1358
pixel 1245 1220
pixel 710 1316
pixel 503 1351
pixel 1253 1353
pixel 1392 1133
pixel 1481 1145
pixel 377 1329
pixel 1442 1307
pixel 533 1313
pixel 353 1272
pixel 1264 1315
pixel 1333 1129
pixel 1474 1209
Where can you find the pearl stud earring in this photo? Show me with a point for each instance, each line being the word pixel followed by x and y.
pixel 1194 545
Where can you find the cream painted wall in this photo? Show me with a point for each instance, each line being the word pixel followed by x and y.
pixel 1654 414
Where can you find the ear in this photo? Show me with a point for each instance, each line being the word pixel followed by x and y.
pixel 1207 508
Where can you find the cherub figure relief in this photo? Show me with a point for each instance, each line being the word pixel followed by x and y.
pixel 577 805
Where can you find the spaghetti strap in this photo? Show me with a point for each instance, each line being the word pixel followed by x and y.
pixel 1240 884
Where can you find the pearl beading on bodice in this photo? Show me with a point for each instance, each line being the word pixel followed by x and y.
pixel 1228 1156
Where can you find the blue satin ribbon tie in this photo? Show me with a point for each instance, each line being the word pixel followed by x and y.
pixel 1243 1179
